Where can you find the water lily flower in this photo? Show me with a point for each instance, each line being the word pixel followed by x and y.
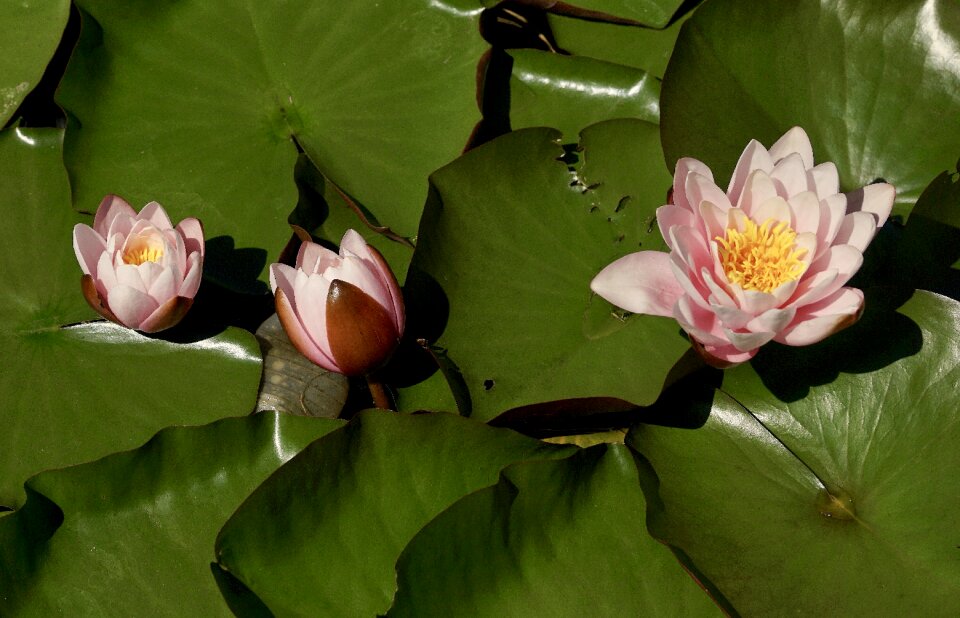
pixel 138 269
pixel 765 260
pixel 344 312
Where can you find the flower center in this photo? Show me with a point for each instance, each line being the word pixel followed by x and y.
pixel 143 250
pixel 761 257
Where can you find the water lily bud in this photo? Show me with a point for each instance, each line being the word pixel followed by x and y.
pixel 765 260
pixel 344 312
pixel 138 269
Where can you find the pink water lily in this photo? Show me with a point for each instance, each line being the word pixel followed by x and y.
pixel 138 269
pixel 766 260
pixel 342 311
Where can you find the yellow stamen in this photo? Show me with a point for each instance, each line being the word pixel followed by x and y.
pixel 761 257
pixel 142 252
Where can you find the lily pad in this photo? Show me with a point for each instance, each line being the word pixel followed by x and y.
pixel 78 393
pixel 870 81
pixel 823 478
pixel 552 538
pixel 572 92
pixel 201 107
pixel 132 533
pixel 322 535
pixel 31 32
pixel 511 239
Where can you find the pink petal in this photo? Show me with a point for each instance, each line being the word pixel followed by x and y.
pixel 805 207
pixel 758 188
pixel 111 206
pixel 641 282
pixel 131 306
pixel 756 302
pixel 775 209
pixel 732 317
pixel 844 259
pixel 361 273
pixel 718 293
pixel 790 176
pixel 754 157
pixel 793 141
pixel 390 283
pixel 700 188
pixel 352 241
pixel 727 355
pixel 684 167
pixel 670 216
pixel 298 336
pixel 698 322
pixel 128 275
pixel 311 307
pixel 149 272
pixel 191 282
pixel 745 342
pixel 877 199
pixel 773 321
pixel 692 287
pixel 857 230
pixel 714 220
pixel 106 277
pixel 808 242
pixel 832 211
pixel 282 277
pixel 88 247
pixel 831 314
pixel 155 214
pixel 823 180
pixel 691 247
pixel 315 258
pixel 192 232
pixel 164 286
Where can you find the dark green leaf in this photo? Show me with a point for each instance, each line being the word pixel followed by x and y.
pixel 322 535
pixel 132 534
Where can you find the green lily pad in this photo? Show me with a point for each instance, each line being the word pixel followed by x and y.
pixel 870 82
pixel 510 241
pixel 642 48
pixel 132 533
pixel 31 32
pixel 656 13
pixel 822 482
pixel 198 106
pixel 552 538
pixel 322 535
pixel 78 393
pixel 572 92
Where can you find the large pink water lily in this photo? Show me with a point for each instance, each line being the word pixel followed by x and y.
pixel 342 311
pixel 139 270
pixel 765 260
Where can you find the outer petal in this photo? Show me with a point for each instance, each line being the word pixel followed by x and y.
pixel 754 157
pixel 298 336
pixel 670 216
pixel 192 232
pixel 88 247
pixel 310 303
pixel 832 314
pixel 857 230
pixel 164 286
pixel 106 277
pixel 191 282
pixel 748 341
pixel 390 283
pixel 111 206
pixel 793 141
pixel 824 180
pixel 877 199
pixel 684 167
pixel 128 275
pixel 282 277
pixel 131 306
pixel 722 356
pixel 641 282
pixel 155 214
pixel 167 315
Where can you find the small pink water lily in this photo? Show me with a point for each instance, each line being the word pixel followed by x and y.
pixel 138 270
pixel 767 260
pixel 344 312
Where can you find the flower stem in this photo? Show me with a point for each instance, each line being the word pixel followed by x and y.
pixel 380 397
